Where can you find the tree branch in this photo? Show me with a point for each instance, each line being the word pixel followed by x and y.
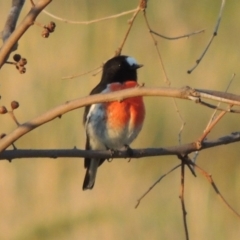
pixel 211 39
pixel 91 21
pixel 71 105
pixel 184 93
pixel 9 44
pixel 136 153
pixel 12 21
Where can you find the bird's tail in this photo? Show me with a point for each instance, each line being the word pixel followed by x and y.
pixel 90 175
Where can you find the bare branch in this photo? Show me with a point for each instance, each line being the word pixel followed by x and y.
pixel 218 108
pixel 213 121
pixel 211 126
pixel 218 105
pixel 11 113
pixel 21 29
pixel 183 150
pixel 178 37
pixel 210 180
pixel 91 21
pixel 183 123
pixel 181 196
pixel 82 74
pixel 154 184
pixel 12 21
pixel 184 93
pixel 131 21
pixel 219 96
pixel 167 81
pixel 211 39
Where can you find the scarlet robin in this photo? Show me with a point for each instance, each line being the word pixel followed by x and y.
pixel 112 125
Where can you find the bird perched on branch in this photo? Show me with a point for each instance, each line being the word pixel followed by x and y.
pixel 112 125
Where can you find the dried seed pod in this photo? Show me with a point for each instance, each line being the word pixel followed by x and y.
pixel 22 62
pixel 3 110
pixel 45 33
pixel 22 69
pixel 51 26
pixel 14 104
pixel 16 57
pixel 2 135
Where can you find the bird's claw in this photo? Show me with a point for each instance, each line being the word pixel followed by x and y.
pixel 129 151
pixel 111 153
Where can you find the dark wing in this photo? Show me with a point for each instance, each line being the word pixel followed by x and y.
pixel 87 147
pixel 88 160
pixel 98 89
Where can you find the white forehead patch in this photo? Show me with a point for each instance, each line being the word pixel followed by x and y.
pixel 131 61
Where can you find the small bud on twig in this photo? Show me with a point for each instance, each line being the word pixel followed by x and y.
pixel 51 26
pixel 3 110
pixel 22 62
pixel 47 29
pixel 2 135
pixel 14 105
pixel 16 57
pixel 22 70
pixel 45 33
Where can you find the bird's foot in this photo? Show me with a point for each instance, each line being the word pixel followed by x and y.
pixel 129 151
pixel 111 152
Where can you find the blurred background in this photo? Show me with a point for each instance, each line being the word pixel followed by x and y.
pixel 43 199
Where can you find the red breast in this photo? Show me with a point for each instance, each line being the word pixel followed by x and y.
pixel 129 111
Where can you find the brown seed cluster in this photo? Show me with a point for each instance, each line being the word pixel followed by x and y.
pixel 3 110
pixel 47 29
pixel 20 63
pixel 14 105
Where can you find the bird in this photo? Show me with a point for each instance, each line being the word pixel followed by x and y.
pixel 112 125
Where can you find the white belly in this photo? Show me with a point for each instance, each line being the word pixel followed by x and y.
pixel 103 135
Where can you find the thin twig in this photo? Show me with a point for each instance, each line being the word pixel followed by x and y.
pixel 183 123
pixel 194 159
pixel 223 97
pixel 211 39
pixel 178 37
pixel 213 121
pixel 11 22
pixel 12 19
pixel 91 21
pixel 218 108
pixel 183 93
pixel 181 196
pixel 21 29
pixel 211 126
pixel 188 162
pixel 123 154
pixel 157 49
pixel 154 184
pixel 82 74
pixel 167 81
pixel 131 21
pixel 39 24
pixel 218 105
pixel 9 62
pixel 14 118
pixel 210 180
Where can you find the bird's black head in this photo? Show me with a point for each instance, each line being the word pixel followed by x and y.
pixel 120 69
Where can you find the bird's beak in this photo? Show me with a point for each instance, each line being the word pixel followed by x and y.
pixel 136 66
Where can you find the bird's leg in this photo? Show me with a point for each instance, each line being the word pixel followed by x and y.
pixel 111 152
pixel 129 151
